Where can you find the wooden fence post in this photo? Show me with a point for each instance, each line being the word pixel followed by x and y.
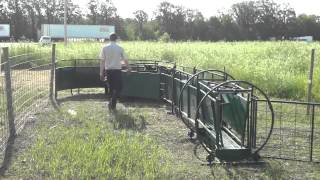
pixel 309 95
pixel 53 67
pixel 0 61
pixel 7 72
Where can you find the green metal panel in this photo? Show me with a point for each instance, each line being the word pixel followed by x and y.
pixel 135 84
pixel 193 102
pixel 87 77
pixel 185 100
pixel 177 91
pixel 235 112
pixel 143 85
pixel 77 77
pixel 65 78
pixel 207 112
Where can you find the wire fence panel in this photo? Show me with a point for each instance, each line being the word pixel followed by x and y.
pixel 29 68
pixel 316 135
pixel 30 71
pixel 4 127
pixel 296 131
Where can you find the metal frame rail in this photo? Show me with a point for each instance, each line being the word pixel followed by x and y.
pixel 217 137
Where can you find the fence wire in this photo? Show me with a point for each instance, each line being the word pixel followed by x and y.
pixel 4 128
pixel 296 131
pixel 30 67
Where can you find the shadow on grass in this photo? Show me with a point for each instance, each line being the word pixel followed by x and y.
pixel 133 102
pixel 124 120
pixel 82 97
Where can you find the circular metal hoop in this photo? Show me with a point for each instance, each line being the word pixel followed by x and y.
pixel 252 85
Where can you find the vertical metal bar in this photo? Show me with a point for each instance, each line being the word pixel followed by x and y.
pixel 295 131
pixel 0 61
pixel 312 133
pixel 217 122
pixel 12 129
pixel 198 91
pixel 198 100
pixel 250 121
pixel 254 126
pixel 173 91
pixel 189 103
pixel 53 67
pixel 65 23
pixel 180 87
pixel 280 129
pixel 220 113
pixel 247 121
pixel 249 113
pixel 309 95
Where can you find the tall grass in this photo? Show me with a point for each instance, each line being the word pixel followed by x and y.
pixel 279 68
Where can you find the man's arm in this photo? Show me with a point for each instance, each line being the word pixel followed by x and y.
pixel 125 61
pixel 102 65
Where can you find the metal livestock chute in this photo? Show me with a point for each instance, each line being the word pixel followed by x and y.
pixel 222 112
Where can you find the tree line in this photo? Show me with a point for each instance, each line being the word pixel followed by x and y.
pixel 249 20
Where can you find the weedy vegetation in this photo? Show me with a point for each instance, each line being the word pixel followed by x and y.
pixel 93 143
pixel 279 68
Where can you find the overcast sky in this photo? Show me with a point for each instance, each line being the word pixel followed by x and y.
pixel 206 7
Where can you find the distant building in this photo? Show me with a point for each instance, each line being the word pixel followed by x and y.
pixel 56 31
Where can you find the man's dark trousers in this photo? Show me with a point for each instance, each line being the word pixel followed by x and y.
pixel 115 85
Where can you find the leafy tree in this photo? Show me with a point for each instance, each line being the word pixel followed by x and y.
pixel 245 14
pixel 215 29
pixel 268 20
pixel 16 15
pixel 108 12
pixel 141 17
pixel 93 11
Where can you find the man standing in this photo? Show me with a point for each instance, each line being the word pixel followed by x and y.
pixel 111 58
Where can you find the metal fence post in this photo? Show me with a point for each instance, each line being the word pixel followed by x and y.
pixel 12 129
pixel 309 95
pixel 174 92
pixel 53 68
pixel 0 60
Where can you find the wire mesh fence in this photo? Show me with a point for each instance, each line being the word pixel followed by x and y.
pixel 30 72
pixel 296 131
pixel 3 112
pixel 28 68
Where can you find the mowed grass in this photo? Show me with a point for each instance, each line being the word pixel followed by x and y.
pixel 78 144
pixel 84 141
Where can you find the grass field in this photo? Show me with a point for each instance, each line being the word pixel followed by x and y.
pixel 279 68
pixel 91 143
pixel 140 141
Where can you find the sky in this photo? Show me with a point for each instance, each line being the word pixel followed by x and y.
pixel 206 7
